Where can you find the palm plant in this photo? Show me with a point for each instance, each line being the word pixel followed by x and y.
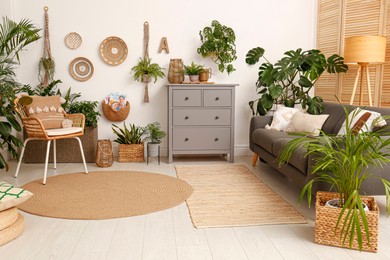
pixel 13 38
pixel 344 162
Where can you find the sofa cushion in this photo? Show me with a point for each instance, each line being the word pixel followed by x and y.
pixel 265 138
pixel 361 120
pixel 306 123
pixel 298 159
pixel 282 118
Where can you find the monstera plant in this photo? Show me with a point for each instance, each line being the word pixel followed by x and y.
pixel 290 79
pixel 13 38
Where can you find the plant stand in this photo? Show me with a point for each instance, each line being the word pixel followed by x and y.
pixel 326 219
pixel 152 150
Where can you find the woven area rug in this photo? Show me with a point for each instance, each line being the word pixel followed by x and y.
pixel 104 195
pixel 230 195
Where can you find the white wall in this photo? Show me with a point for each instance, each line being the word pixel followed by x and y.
pixel 278 26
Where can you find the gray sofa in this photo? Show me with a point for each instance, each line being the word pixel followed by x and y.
pixel 268 144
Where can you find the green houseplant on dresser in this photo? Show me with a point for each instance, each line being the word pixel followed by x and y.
pixel 344 162
pixel 130 142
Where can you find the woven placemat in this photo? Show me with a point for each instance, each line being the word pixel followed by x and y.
pixel 81 69
pixel 113 50
pixel 73 40
pixel 10 233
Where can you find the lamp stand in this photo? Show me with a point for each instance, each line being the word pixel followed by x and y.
pixel 363 68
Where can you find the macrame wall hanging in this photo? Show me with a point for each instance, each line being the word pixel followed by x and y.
pixel 46 63
pixel 146 57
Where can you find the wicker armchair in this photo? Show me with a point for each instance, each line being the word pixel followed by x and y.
pixel 35 129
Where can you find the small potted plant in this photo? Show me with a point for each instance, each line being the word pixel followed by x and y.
pixel 130 140
pixel 344 162
pixel 193 71
pixel 218 43
pixel 154 135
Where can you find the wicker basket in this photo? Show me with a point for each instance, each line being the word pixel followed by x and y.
pixel 326 219
pixel 131 153
pixel 104 155
pixel 115 116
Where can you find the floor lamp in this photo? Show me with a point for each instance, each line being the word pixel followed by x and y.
pixel 364 51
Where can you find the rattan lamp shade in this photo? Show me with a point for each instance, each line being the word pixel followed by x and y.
pixel 365 49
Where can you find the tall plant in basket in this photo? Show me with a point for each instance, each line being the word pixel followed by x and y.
pixel 345 162
pixel 130 140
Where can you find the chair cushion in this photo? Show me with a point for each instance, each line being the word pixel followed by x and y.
pixel 64 131
pixel 11 196
pixel 47 109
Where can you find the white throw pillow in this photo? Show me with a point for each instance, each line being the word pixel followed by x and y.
pixel 282 117
pixel 11 196
pixel 363 120
pixel 306 123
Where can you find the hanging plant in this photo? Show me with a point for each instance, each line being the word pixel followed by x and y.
pixel 46 66
pixel 218 43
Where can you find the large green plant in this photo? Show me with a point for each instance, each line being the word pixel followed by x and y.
pixel 89 109
pixel 13 38
pixel 291 78
pixel 144 68
pixel 125 135
pixel 344 162
pixel 218 43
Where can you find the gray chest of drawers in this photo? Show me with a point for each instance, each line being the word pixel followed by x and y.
pixel 201 119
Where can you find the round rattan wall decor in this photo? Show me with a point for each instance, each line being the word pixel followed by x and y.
pixel 81 69
pixel 113 50
pixel 73 40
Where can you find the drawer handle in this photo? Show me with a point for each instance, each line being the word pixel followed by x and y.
pixel 216 139
pixel 217 98
pixel 186 139
pixel 186 98
pixel 186 118
pixel 217 117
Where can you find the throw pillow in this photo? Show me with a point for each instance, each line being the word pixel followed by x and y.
pixel 282 117
pixel 361 120
pixel 306 123
pixel 67 123
pixel 11 196
pixel 47 109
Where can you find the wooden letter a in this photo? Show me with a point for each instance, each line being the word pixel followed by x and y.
pixel 164 45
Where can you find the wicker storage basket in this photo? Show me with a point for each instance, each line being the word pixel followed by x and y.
pixel 131 153
pixel 104 155
pixel 326 219
pixel 115 116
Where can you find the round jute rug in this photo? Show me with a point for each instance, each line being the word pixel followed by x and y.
pixel 104 195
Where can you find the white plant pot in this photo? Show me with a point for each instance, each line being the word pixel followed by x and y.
pixel 194 78
pixel 335 204
pixel 153 149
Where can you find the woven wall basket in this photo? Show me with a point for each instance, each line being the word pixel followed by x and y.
pixel 326 219
pixel 115 116
pixel 113 50
pixel 131 153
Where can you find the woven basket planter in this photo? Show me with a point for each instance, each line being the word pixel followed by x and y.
pixel 326 219
pixel 131 153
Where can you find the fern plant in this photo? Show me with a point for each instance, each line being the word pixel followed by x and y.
pixel 131 135
pixel 145 68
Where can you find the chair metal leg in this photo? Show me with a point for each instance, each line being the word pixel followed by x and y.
pixel 21 157
pixel 55 154
pixel 82 154
pixel 46 161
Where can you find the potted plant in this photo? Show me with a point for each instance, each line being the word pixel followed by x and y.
pixel 130 140
pixel 290 79
pixel 145 70
pixel 13 38
pixel 218 43
pixel 154 135
pixel 193 71
pixel 344 162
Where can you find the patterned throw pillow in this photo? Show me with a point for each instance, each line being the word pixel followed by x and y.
pixel 306 123
pixel 361 120
pixel 11 196
pixel 47 109
pixel 282 118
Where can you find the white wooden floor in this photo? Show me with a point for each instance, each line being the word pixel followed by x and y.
pixel 169 234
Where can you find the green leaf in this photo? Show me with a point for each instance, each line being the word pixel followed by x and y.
pixel 336 64
pixel 254 55
pixel 275 91
pixel 305 82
